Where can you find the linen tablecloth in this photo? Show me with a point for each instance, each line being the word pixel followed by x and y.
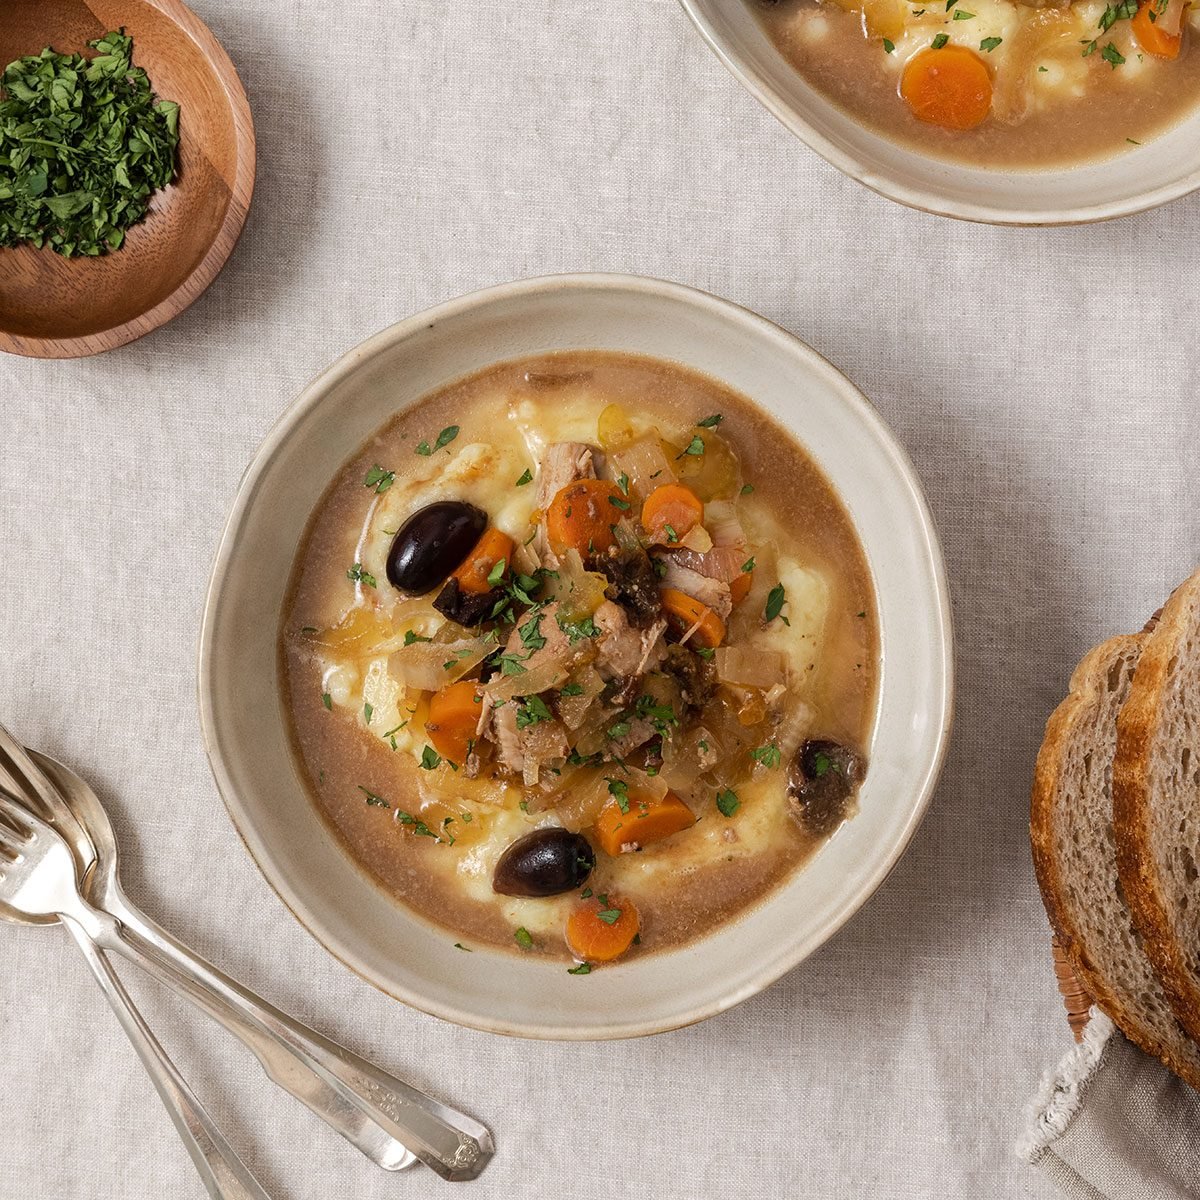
pixel 1044 382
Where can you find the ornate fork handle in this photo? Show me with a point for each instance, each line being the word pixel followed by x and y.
pixel 224 1174
pixel 377 1112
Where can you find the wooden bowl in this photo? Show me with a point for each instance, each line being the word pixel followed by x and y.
pixel 52 307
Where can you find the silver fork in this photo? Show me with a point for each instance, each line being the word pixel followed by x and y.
pixel 38 878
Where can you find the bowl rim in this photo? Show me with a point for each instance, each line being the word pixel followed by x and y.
pixel 923 200
pixel 314 394
pixel 241 196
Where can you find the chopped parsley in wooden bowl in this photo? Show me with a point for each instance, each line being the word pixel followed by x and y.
pixel 127 162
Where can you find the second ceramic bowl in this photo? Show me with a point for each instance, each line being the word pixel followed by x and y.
pixel 1162 170
pixel 242 714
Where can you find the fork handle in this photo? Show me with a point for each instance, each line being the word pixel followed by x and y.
pixel 378 1113
pixel 225 1176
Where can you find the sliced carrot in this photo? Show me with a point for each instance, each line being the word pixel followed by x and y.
pixel 949 86
pixel 582 514
pixel 602 929
pixel 672 512
pixel 684 612
pixel 642 821
pixel 1150 36
pixel 491 548
pixel 739 588
pixel 453 719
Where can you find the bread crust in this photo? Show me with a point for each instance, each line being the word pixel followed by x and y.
pixel 1133 797
pixel 1087 684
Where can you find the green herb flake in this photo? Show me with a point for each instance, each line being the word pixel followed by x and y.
pixel 327 700
pixel 989 44
pixel 776 599
pixel 582 969
pixel 571 689
pixel 695 448
pixel 367 712
pixel 443 439
pixel 1112 56
pixel 411 637
pixel 532 710
pixel 430 759
pixel 940 41
pixel 727 802
pixel 747 489
pixel 960 15
pixel 768 755
pixel 460 946
pixel 374 800
pixel 889 47
pixel 379 479
pixel 523 938
pixel 357 574
pixel 610 916
pixel 526 477
pixel 623 483
pixel 497 572
pixel 619 790
pixel 710 422
pixel 84 146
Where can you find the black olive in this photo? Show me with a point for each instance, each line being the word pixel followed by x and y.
pixel 544 863
pixel 822 779
pixel 433 542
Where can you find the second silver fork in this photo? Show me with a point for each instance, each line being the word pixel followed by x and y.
pixel 39 878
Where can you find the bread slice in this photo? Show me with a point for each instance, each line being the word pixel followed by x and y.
pixel 1156 800
pixel 1076 864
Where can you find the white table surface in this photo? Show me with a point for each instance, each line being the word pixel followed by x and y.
pixel 1043 381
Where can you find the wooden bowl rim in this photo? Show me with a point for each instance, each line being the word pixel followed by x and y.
pixel 194 285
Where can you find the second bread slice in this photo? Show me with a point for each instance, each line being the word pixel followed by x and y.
pixel 1075 859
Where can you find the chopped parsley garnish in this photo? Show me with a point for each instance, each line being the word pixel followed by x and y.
pixel 727 802
pixel 768 755
pixel 523 938
pixel 776 599
pixel 619 790
pixel 367 711
pixel 710 422
pixel 85 146
pixel 960 15
pixel 706 652
pixel 531 633
pixel 379 479
pixel 822 764
pixel 619 730
pixel 357 575
pixel 610 916
pixel 571 689
pixel 889 47
pixel 1112 56
pixel 410 638
pixel 695 447
pixel 940 41
pixel 747 488
pixel 460 946
pixel 578 629
pixel 617 502
pixel 510 664
pixel 623 483
pixel 669 530
pixel 430 759
pixel 497 572
pixel 532 710
pixel 989 44
pixel 582 969
pixel 327 700
pixel 390 736
pixel 748 565
pixel 443 439
pixel 416 825
pixel 372 799
pixel 526 477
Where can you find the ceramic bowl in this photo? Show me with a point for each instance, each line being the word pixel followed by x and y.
pixel 1162 170
pixel 52 307
pixel 240 683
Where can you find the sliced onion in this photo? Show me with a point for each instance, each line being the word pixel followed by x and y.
pixel 423 665
pixel 751 667
pixel 646 464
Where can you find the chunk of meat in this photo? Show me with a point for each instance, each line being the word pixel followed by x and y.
pixel 541 743
pixel 632 580
pixel 563 463
pixel 696 678
pixel 537 656
pixel 509 751
pixel 712 593
pixel 624 649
